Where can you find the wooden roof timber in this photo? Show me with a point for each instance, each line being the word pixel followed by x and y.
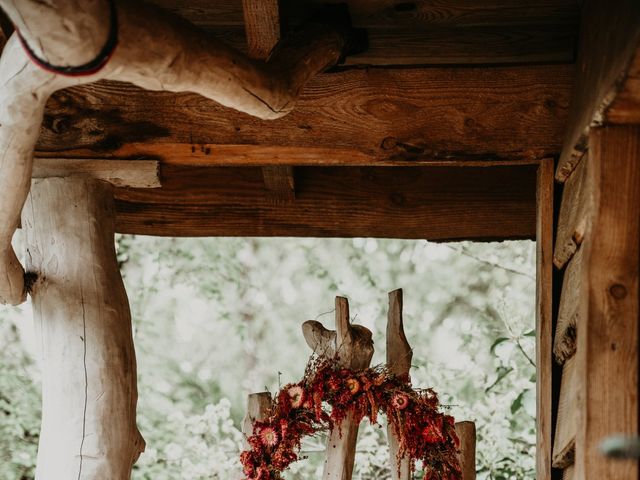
pixel 471 114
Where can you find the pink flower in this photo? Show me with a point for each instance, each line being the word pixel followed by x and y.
pixel 400 401
pixel 297 396
pixel 268 436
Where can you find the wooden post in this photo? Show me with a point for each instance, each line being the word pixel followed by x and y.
pixel 544 322
pixel 258 405
pixel 607 343
pixel 399 355
pixel 83 320
pixel 467 434
pixel 352 347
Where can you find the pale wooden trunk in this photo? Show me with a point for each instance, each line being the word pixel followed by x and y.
pixel 84 324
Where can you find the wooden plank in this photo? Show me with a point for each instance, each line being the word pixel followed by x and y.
pixel 571 315
pixel 121 173
pixel 425 202
pixel 473 113
pixel 467 433
pixel 544 322
pixel 575 209
pixel 280 183
pixel 426 32
pixel 569 473
pixel 607 350
pixel 564 442
pixel 609 46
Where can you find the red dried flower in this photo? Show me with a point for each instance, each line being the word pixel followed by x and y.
pixel 353 386
pixel 400 401
pixel 297 396
pixel 268 436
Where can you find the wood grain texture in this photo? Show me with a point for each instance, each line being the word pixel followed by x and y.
pixel 262 26
pixel 609 44
pixel 120 173
pixel 466 432
pixel 258 406
pixel 83 325
pixel 424 202
pixel 571 314
pixel 544 320
pixel 399 355
pixel 569 473
pixel 607 349
pixel 461 113
pixel 425 32
pixel 575 210
pixel 564 441
pixel 279 181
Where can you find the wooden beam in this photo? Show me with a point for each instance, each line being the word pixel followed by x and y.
pixel 575 211
pixel 83 323
pixel 475 114
pixel 607 348
pixel 571 314
pixel 425 202
pixel 262 26
pixel 121 173
pixel 564 442
pixel 424 32
pixel 466 432
pixel 608 77
pixel 544 320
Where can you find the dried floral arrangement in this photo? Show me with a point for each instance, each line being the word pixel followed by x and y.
pixel 327 394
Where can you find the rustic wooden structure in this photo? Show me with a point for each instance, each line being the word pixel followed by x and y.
pixel 351 346
pixel 452 125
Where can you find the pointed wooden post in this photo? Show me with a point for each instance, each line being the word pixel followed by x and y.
pixel 83 320
pixel 352 347
pixel 399 355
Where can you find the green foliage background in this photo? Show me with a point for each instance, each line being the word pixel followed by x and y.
pixel 216 319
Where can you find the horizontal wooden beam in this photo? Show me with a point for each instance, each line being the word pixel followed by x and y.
pixel 425 32
pixel 608 84
pixel 474 114
pixel 434 203
pixel 121 173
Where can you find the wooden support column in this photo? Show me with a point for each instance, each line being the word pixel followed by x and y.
pixel 262 27
pixel 83 320
pixel 544 328
pixel 607 342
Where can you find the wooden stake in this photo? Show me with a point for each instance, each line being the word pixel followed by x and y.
pixel 83 320
pixel 353 347
pixel 399 355
pixel 258 405
pixel 467 434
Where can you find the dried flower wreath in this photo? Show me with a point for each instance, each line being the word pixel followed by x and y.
pixel 299 409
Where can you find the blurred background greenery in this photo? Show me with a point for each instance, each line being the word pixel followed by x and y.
pixel 218 318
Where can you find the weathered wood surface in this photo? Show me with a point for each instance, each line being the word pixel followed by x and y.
pixel 544 321
pixel 569 473
pixel 460 113
pixel 496 202
pixel 426 32
pixel 120 173
pixel 279 180
pixel 607 348
pixel 399 355
pixel 608 68
pixel 564 441
pixel 467 434
pixel 575 209
pixel 258 408
pixel 352 348
pixel 571 314
pixel 84 326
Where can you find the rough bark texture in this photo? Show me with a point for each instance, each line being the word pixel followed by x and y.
pixel 83 320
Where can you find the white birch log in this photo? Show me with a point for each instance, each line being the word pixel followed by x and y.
pixel 352 347
pixel 83 320
pixel 399 355
pixel 157 51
